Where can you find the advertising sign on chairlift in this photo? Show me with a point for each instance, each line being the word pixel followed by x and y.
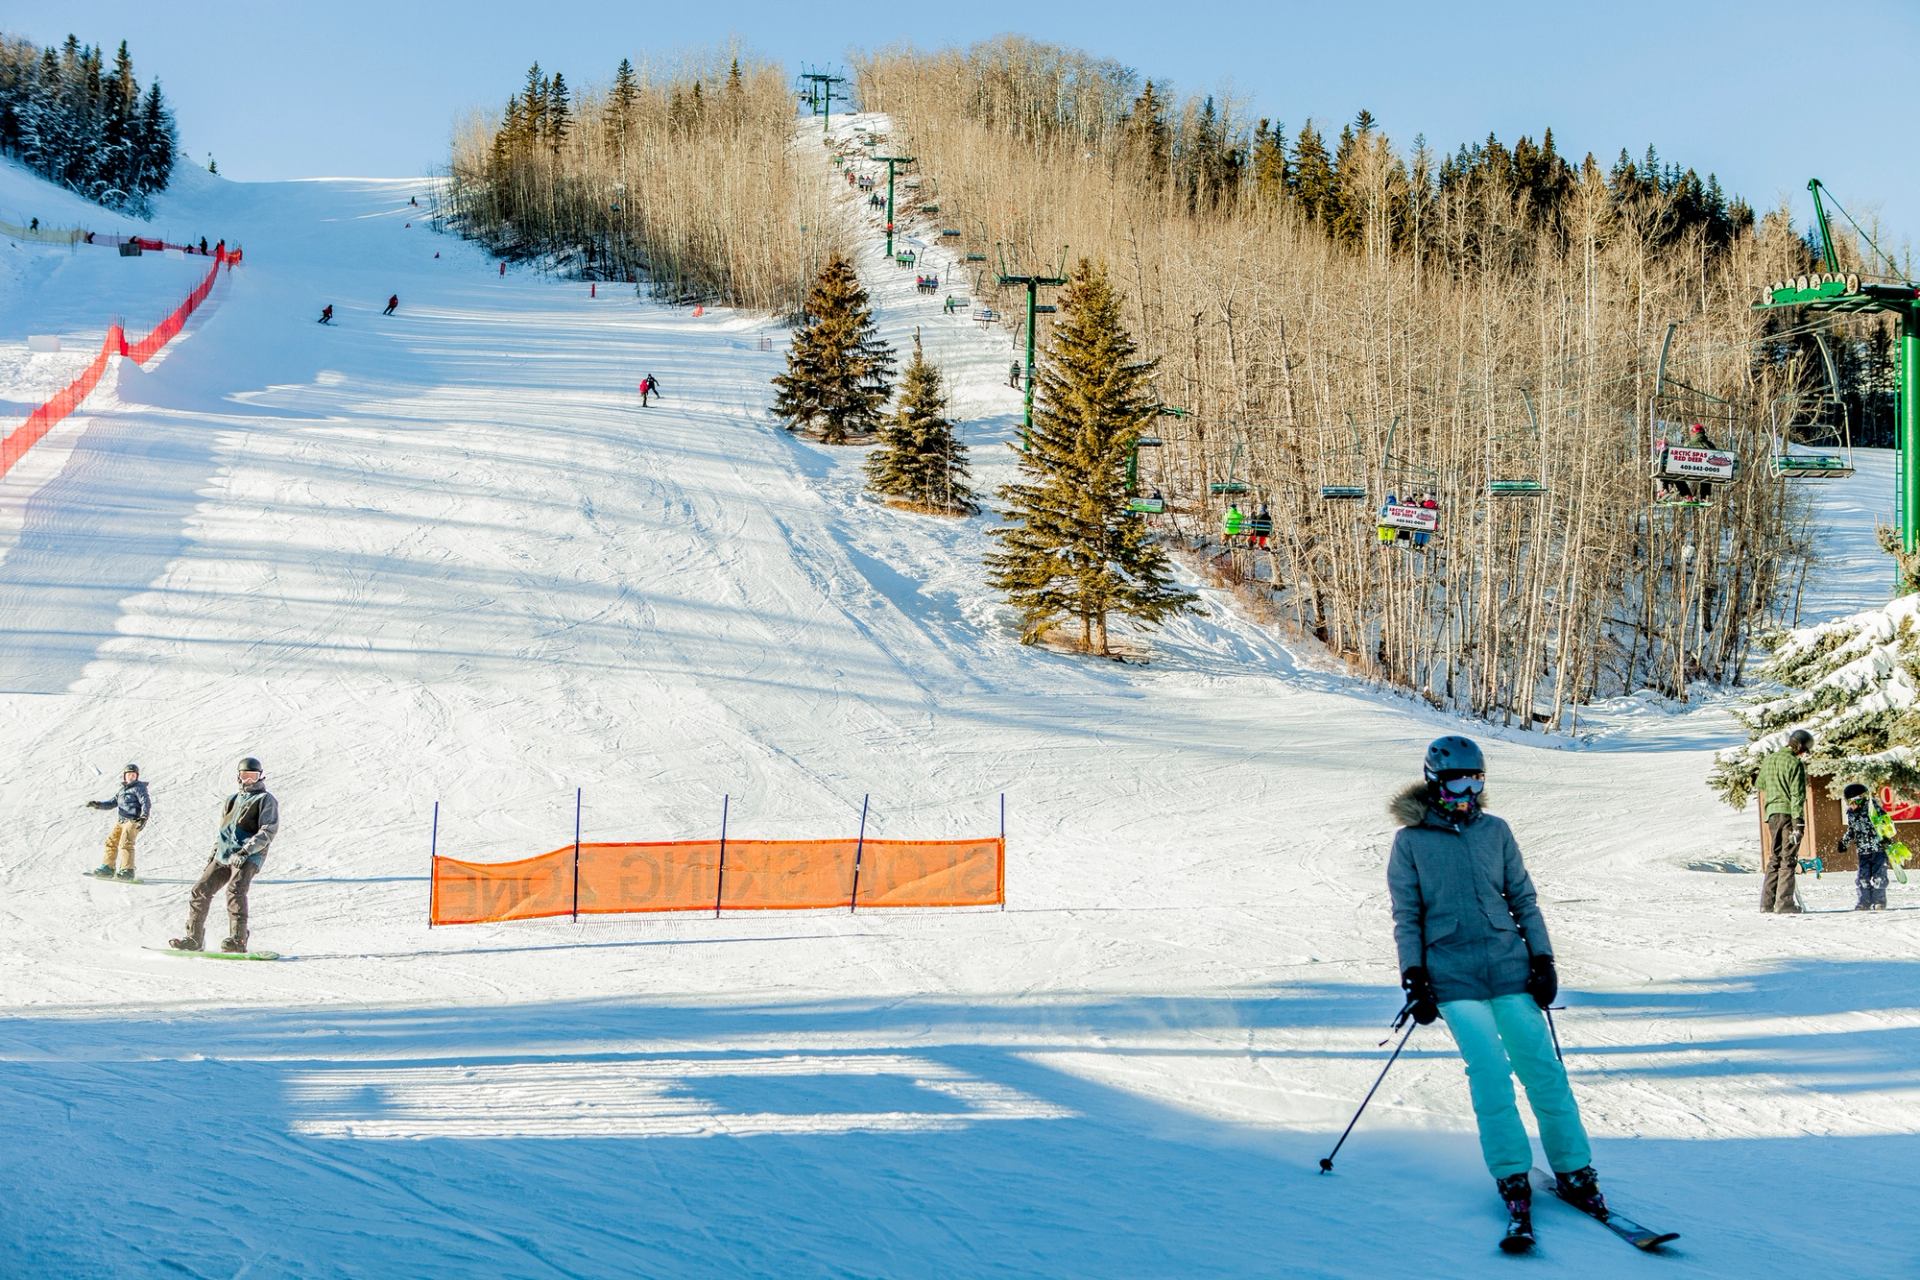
pixel 1706 464
pixel 1410 515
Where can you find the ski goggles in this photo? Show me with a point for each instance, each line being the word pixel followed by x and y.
pixel 1466 786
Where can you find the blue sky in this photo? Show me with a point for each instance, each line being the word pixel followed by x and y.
pixel 1742 89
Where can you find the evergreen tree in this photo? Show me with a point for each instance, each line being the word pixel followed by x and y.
pixel 559 112
pixel 838 370
pixel 1314 183
pixel 1072 552
pixel 1144 136
pixel 919 461
pixel 1269 165
pixel 1854 684
pixel 626 97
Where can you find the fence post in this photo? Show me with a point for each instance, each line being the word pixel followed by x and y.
pixel 853 902
pixel 720 881
pixel 433 861
pixel 576 855
pixel 1003 851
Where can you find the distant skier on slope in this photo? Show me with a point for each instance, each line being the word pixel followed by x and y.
pixel 326 314
pixel 1474 951
pixel 133 807
pixel 393 301
pixel 649 386
pixel 248 823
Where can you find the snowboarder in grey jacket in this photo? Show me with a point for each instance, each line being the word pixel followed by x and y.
pixel 248 822
pixel 133 807
pixel 1474 951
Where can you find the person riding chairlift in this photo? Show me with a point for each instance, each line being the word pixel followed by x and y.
pixel 1682 490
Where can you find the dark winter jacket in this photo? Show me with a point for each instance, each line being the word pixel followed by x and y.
pixel 1463 904
pixel 248 823
pixel 133 803
pixel 1783 780
pixel 1861 836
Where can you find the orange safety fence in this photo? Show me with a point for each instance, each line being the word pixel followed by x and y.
pixel 68 399
pixel 713 875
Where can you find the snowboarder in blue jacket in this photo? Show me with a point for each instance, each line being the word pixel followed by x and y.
pixel 1474 952
pixel 132 807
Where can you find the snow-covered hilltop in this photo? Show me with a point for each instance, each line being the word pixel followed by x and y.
pixel 445 556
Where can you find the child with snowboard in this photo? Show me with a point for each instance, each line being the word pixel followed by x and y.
pixel 1474 952
pixel 132 807
pixel 1870 835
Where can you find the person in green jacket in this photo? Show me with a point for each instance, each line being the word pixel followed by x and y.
pixel 1782 785
pixel 1236 521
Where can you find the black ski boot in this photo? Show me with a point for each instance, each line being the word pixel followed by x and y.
pixel 185 944
pixel 233 946
pixel 1581 1189
pixel 1518 1193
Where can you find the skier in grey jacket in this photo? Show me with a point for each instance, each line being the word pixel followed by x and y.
pixel 248 822
pixel 1474 951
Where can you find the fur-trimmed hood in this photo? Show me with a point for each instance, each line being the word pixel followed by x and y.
pixel 1409 808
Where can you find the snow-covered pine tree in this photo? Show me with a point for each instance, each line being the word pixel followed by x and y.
pixel 1072 551
pixel 919 462
pixel 839 372
pixel 1854 684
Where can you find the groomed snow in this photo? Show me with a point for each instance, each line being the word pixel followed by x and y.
pixel 445 556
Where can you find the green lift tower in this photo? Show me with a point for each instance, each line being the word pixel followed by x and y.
pixel 1832 291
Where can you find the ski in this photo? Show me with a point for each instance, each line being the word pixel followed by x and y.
pixel 218 955
pixel 1642 1238
pixel 88 875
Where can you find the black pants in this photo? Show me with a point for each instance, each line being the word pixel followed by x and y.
pixel 1781 864
pixel 1871 879
pixel 236 882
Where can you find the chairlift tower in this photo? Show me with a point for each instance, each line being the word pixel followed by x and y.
pixel 891 161
pixel 1034 283
pixel 820 93
pixel 1849 294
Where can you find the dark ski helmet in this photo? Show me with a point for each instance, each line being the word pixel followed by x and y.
pixel 1854 791
pixel 1800 738
pixel 250 765
pixel 1452 756
pixel 132 768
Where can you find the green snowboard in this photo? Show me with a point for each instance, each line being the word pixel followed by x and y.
pixel 218 955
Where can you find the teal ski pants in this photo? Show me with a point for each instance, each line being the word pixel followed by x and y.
pixel 1501 1038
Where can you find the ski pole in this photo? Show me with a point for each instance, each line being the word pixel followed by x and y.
pixel 1326 1161
pixel 1555 1033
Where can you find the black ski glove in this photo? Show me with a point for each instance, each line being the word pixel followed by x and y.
pixel 1418 984
pixel 1543 980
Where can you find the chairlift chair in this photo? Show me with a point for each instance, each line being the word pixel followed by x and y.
pixel 1233 484
pixel 1402 513
pixel 1819 424
pixel 1340 468
pixel 1504 480
pixel 1678 413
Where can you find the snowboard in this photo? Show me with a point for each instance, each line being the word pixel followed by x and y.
pixel 219 955
pixel 111 879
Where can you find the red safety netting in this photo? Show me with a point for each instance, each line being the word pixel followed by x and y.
pixel 63 403
pixel 69 398
pixel 710 875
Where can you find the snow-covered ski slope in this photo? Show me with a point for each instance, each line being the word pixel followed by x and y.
pixel 445 555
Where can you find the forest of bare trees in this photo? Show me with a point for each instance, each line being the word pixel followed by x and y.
pixel 1302 301
pixel 684 180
